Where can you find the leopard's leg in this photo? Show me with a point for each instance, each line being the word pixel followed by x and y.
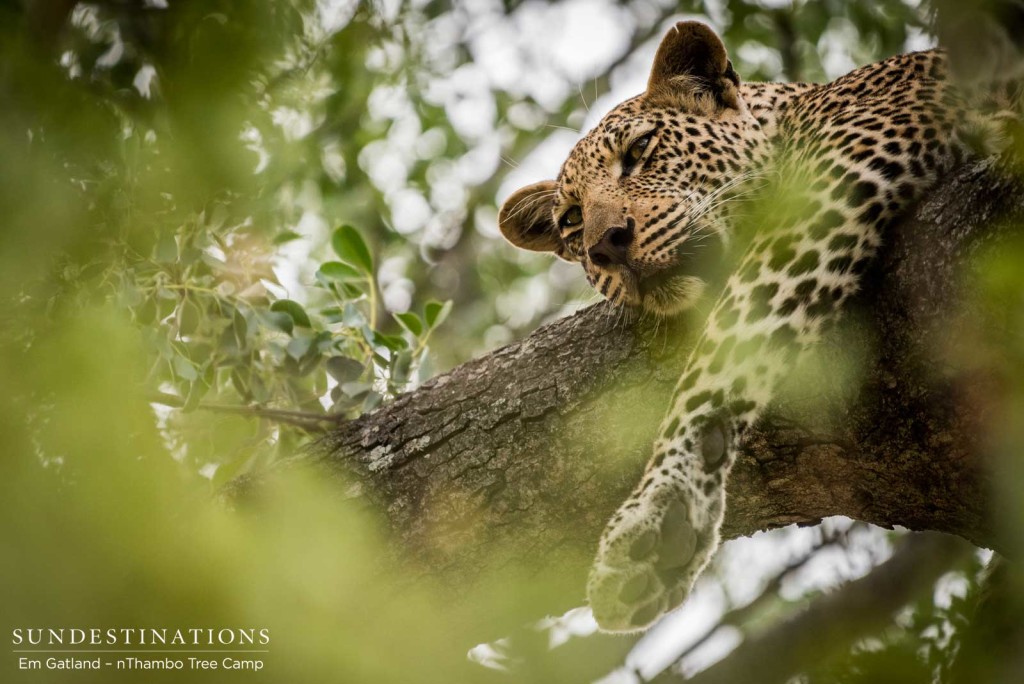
pixel 787 287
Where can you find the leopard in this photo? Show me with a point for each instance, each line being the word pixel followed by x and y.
pixel 651 204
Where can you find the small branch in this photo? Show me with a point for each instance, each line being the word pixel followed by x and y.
pixel 742 614
pixel 307 420
pixel 831 624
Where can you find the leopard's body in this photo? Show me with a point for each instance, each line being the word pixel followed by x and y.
pixel 647 203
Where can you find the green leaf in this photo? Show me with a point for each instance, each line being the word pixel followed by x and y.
pixel 392 342
pixel 372 401
pixel 331 314
pixel 298 347
pixel 425 367
pixel 258 388
pixel 344 369
pixel 355 389
pixel 189 317
pixel 166 249
pixel 279 320
pixel 209 377
pixel 350 291
pixel 240 328
pixel 196 391
pixel 410 322
pixel 342 402
pixel 310 362
pixel 401 367
pixel 324 341
pixel 435 313
pixel 184 369
pixel 294 310
pixel 350 247
pixel 353 317
pixel 286 236
pixel 240 381
pixel 335 271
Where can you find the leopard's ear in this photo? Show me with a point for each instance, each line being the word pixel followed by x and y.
pixel 526 219
pixel 692 57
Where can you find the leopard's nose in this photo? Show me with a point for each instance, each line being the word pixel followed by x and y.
pixel 612 248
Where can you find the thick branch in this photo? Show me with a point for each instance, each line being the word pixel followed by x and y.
pixel 513 462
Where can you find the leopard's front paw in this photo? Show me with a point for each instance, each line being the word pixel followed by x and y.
pixel 650 553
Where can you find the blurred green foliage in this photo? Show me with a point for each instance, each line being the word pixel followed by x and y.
pixel 212 209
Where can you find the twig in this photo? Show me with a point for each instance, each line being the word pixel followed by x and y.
pixel 307 420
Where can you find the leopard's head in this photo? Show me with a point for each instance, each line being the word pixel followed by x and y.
pixel 636 203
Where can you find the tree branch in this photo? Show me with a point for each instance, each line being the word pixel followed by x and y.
pixel 832 623
pixel 305 420
pixel 510 464
pixel 737 616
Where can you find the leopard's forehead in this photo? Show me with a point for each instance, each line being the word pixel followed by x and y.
pixel 602 147
pixel 603 143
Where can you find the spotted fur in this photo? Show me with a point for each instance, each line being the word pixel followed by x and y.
pixel 650 203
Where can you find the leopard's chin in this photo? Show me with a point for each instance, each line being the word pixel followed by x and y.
pixel 669 291
pixel 673 295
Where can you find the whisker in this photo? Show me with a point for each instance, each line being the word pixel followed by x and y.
pixel 707 206
pixel 564 128
pixel 526 202
pixel 579 86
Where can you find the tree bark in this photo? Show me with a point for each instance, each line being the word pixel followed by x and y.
pixel 510 464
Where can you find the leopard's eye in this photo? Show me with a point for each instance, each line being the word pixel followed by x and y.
pixel 572 217
pixel 636 151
